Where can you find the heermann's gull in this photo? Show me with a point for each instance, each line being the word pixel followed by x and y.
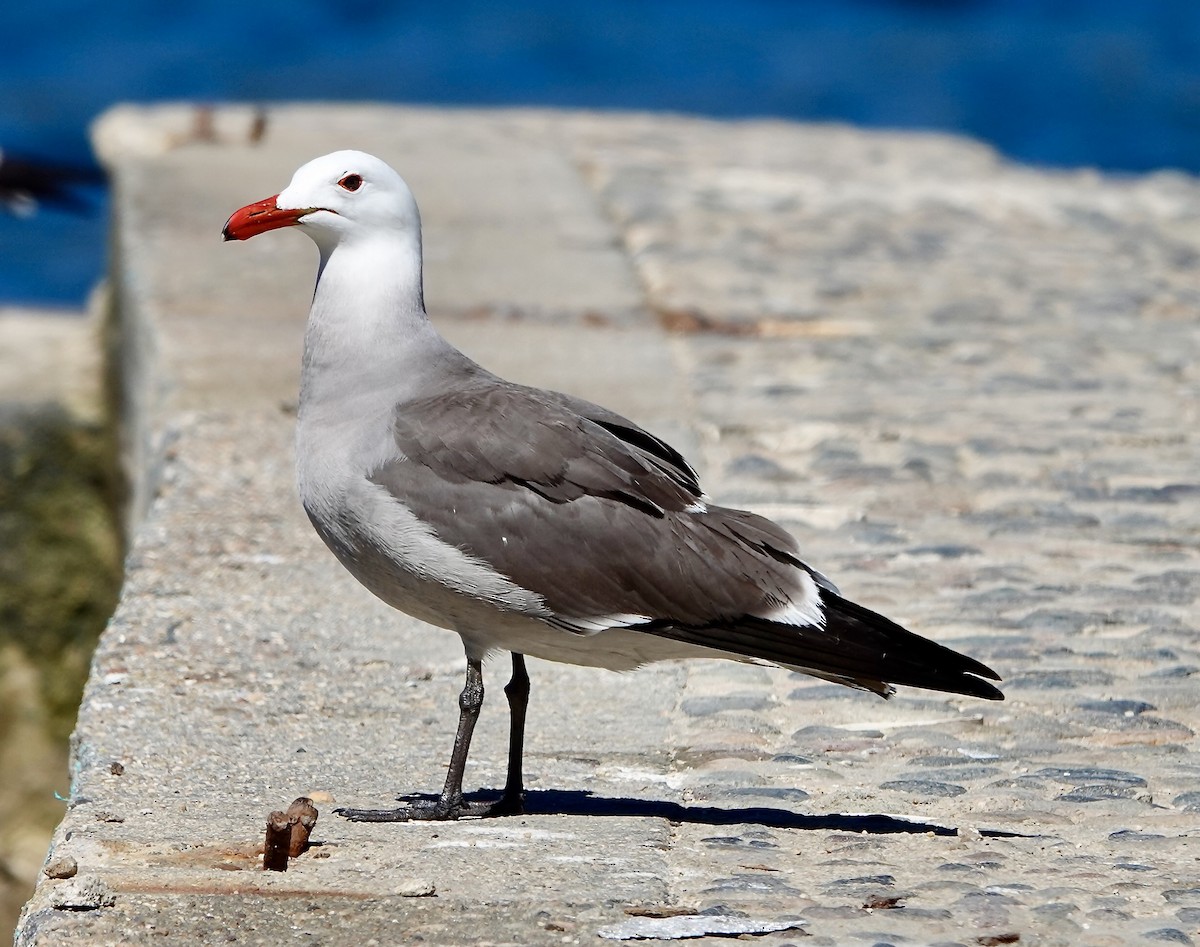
pixel 526 520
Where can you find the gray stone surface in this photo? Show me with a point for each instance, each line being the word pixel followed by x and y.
pixel 969 387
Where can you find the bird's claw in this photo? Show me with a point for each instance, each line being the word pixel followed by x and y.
pixel 439 810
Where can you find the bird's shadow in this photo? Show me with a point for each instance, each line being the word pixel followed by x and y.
pixel 581 802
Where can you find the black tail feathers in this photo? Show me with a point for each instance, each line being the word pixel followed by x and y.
pixel 855 646
pixel 896 655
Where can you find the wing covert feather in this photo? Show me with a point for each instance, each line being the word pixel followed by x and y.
pixel 566 507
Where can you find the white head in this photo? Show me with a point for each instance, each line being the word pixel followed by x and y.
pixel 340 197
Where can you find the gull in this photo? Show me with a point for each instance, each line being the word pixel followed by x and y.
pixel 525 520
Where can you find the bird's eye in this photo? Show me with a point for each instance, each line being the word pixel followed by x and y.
pixel 351 182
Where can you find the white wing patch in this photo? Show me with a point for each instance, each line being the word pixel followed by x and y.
pixel 803 610
pixel 593 624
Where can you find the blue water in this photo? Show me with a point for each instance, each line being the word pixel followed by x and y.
pixel 1108 83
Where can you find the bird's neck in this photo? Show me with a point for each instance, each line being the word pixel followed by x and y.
pixel 369 282
pixel 367 329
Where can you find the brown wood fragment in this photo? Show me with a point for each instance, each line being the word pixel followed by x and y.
pixel 303 814
pixel 279 838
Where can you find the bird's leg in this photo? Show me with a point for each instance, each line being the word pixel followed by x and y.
pixel 470 701
pixel 517 691
pixel 450 804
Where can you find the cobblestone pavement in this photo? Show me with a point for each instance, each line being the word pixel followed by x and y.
pixel 969 388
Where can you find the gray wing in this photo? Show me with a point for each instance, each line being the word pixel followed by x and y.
pixel 605 522
pixel 583 507
pixel 632 435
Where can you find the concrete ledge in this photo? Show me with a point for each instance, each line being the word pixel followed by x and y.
pixel 969 387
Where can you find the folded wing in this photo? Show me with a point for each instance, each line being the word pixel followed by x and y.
pixel 609 526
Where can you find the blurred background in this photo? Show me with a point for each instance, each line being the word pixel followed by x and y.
pixel 1109 83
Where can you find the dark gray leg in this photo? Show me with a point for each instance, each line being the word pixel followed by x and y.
pixel 470 701
pixel 450 804
pixel 517 691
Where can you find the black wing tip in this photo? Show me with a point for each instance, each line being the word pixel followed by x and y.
pixel 951 681
pixel 933 665
pixel 977 687
pixel 973 676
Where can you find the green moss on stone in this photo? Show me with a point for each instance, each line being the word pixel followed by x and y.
pixel 60 548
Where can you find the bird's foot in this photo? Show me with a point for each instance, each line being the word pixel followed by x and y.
pixel 439 810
